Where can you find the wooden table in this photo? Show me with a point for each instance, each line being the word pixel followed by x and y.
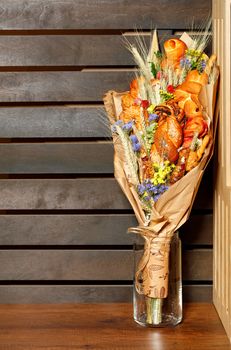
pixel 105 326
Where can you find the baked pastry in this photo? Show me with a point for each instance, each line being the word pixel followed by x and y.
pixel 168 136
pixel 174 50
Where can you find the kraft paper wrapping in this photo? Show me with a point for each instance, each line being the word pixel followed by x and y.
pixel 170 211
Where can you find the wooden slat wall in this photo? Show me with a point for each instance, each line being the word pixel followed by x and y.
pixel 63 217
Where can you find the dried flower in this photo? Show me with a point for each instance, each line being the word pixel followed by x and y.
pixel 128 126
pixel 153 117
pixel 170 89
pixel 145 103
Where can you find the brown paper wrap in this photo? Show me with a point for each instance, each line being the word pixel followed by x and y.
pixel 170 211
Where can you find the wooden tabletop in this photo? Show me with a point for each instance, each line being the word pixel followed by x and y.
pixel 105 326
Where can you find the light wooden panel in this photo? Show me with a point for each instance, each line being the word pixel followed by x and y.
pixel 91 265
pixel 222 197
pixel 76 14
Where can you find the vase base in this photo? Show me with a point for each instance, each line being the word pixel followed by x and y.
pixel 169 321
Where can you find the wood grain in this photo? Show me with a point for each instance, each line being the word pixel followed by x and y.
pixel 106 326
pixel 51 294
pixel 95 193
pixel 70 50
pixel 89 229
pixel 91 264
pixel 54 121
pixel 74 14
pixel 62 194
pixel 61 86
pixel 88 158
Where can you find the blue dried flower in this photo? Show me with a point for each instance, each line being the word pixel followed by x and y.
pixel 141 188
pixel 128 126
pixel 149 191
pixel 134 139
pixel 136 147
pixel 119 123
pixel 156 197
pixel 201 66
pixel 185 63
pixel 153 117
pixel 147 198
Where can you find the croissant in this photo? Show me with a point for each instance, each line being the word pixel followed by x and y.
pixel 187 93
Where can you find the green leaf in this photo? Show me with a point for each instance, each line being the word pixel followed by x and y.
pixel 166 95
pixel 158 54
pixel 153 69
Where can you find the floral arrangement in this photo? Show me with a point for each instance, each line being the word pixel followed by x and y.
pixel 163 132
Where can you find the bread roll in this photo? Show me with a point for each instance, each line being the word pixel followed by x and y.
pixel 174 50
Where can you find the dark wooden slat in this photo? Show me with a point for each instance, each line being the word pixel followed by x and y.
pixel 49 14
pixel 90 265
pixel 37 294
pixel 52 158
pixel 197 265
pixel 69 50
pixel 72 194
pixel 62 194
pixel 61 86
pixel 88 229
pixel 198 230
pixel 204 197
pixel 58 121
pixel 198 293
pixel 66 229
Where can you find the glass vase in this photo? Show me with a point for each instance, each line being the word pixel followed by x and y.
pixel 159 312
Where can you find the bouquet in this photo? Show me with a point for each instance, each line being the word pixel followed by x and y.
pixel 163 132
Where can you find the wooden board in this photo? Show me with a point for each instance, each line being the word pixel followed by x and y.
pixel 198 230
pixel 90 265
pixel 86 86
pixel 69 50
pixel 50 14
pixel 61 194
pixel 89 229
pixel 106 326
pixel 95 193
pixel 77 121
pixel 29 294
pixel 40 158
